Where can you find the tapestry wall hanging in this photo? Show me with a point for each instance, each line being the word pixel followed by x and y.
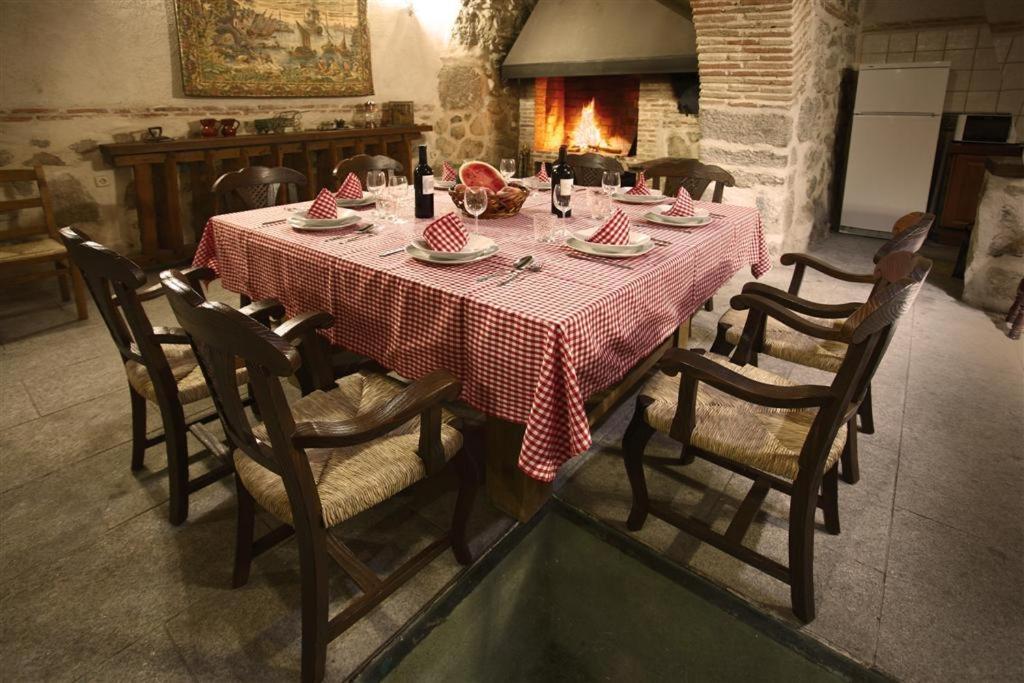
pixel 274 48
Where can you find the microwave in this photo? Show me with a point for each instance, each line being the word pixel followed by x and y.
pixel 984 128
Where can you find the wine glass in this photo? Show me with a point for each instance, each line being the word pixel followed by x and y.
pixel 611 181
pixel 562 194
pixel 398 186
pixel 475 201
pixel 507 168
pixel 376 181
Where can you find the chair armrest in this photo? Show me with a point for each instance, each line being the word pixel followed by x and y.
pixel 422 398
pixel 808 261
pixel 170 335
pixel 197 275
pixel 801 305
pixel 315 371
pixel 264 310
pixel 697 367
pixel 146 293
pixel 790 319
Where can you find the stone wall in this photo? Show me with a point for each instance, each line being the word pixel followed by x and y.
pixel 77 74
pixel 479 113
pixel 995 262
pixel 770 73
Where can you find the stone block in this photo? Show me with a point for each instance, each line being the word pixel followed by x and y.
pixel 995 262
pixel 461 86
pixel 747 126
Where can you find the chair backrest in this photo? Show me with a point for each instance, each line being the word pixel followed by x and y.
pixel 257 187
pixel 589 168
pixel 220 336
pixel 361 163
pixel 669 174
pixel 909 233
pixel 10 227
pixel 867 332
pixel 113 281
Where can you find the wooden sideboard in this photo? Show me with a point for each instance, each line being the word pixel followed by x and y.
pixel 965 171
pixel 162 170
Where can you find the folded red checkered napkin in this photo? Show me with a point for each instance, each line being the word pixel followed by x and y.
pixel 448 173
pixel 640 187
pixel 614 231
pixel 542 174
pixel 324 206
pixel 351 188
pixel 446 233
pixel 682 206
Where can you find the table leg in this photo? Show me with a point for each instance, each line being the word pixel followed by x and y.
pixel 511 491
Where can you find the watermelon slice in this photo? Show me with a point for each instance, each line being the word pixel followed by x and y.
pixel 481 174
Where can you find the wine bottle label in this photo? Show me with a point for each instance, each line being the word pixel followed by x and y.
pixel 428 184
pixel 565 186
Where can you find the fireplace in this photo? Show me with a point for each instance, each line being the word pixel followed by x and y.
pixel 589 114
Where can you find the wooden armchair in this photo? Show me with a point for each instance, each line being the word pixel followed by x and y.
pixel 669 174
pixel 780 341
pixel 23 249
pixel 158 362
pixel 256 187
pixel 781 435
pixel 325 458
pixel 361 163
pixel 590 168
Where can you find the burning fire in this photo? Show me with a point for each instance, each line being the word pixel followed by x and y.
pixel 586 135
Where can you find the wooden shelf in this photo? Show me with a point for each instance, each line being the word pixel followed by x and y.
pixel 158 168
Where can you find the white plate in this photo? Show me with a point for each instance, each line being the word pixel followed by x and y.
pixel 637 241
pixel 346 217
pixel 475 245
pixel 445 184
pixel 366 200
pixel 420 255
pixel 655 197
pixel 533 183
pixel 699 218
pixel 588 248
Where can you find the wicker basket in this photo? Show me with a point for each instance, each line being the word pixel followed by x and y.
pixel 499 205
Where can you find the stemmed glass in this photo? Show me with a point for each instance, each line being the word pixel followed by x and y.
pixel 398 184
pixel 376 181
pixel 611 181
pixel 475 201
pixel 507 168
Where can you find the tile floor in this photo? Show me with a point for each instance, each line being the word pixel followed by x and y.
pixel 926 582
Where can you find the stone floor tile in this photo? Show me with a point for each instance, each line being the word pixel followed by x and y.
pixel 77 383
pixel 152 658
pixel 15 405
pixel 849 612
pixel 953 608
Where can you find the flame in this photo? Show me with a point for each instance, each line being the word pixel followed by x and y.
pixel 586 134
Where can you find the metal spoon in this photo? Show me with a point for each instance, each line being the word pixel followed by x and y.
pixel 359 232
pixel 533 268
pixel 518 266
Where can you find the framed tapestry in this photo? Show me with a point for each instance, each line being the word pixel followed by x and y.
pixel 274 48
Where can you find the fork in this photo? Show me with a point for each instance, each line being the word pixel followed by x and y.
pixel 364 231
pixel 268 223
pixel 613 264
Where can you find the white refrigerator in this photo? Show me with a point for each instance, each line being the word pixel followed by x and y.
pixel 896 116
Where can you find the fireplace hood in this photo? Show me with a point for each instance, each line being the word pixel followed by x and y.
pixel 604 37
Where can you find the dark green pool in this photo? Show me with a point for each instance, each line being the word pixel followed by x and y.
pixel 565 599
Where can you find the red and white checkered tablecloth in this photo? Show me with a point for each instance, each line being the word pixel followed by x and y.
pixel 529 352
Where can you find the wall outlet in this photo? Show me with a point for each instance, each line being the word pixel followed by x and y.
pixel 102 181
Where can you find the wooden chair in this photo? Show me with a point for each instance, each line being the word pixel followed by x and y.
pixel 361 163
pixel 669 174
pixel 158 362
pixel 783 436
pixel 779 341
pixel 324 459
pixel 589 168
pixel 257 187
pixel 25 248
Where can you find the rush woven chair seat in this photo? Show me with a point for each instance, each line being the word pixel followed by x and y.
pixel 158 362
pixel 341 449
pixel 766 438
pixel 350 479
pixel 781 435
pixel 779 341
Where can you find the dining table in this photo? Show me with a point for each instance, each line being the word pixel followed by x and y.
pixel 543 358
